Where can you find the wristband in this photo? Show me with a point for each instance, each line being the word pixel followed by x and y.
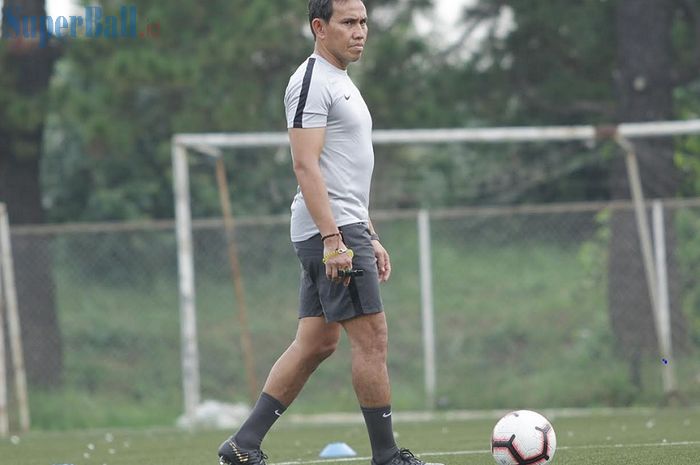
pixel 323 238
pixel 374 237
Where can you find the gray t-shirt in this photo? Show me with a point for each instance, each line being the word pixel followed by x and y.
pixel 321 95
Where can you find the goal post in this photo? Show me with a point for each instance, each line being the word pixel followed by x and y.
pixel 4 416
pixel 185 144
pixel 9 319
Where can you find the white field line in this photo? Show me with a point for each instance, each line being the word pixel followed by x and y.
pixel 486 451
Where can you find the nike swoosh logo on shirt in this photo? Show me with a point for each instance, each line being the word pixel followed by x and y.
pixel 347 97
pixel 277 412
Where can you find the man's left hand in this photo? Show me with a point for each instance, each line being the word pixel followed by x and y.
pixel 383 261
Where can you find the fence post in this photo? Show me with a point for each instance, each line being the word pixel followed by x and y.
pixel 188 313
pixel 662 311
pixel 427 312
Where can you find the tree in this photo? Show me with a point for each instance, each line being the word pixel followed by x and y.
pixel 645 81
pixel 214 67
pixel 551 69
pixel 26 66
pixel 219 67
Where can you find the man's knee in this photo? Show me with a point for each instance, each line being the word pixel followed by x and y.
pixel 372 339
pixel 325 349
pixel 319 350
pixel 376 346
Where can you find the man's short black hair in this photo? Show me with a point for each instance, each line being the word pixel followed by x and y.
pixel 322 9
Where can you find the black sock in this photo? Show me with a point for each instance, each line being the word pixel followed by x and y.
pixel 381 433
pixel 266 411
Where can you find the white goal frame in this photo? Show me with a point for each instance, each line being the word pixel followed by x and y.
pixel 10 326
pixel 210 144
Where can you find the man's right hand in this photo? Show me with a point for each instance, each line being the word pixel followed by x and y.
pixel 339 261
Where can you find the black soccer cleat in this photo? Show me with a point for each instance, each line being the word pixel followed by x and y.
pixel 405 457
pixel 231 454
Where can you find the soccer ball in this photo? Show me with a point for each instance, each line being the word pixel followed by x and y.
pixel 523 437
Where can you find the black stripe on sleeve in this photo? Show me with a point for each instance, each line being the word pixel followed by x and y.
pixel 299 116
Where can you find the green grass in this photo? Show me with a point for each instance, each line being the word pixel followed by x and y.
pixel 603 437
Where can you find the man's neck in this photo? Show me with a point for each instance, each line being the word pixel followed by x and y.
pixel 329 57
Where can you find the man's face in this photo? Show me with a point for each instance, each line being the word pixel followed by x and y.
pixel 346 33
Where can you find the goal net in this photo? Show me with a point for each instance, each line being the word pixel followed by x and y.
pixel 489 307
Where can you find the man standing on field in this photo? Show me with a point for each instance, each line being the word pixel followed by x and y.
pixel 330 131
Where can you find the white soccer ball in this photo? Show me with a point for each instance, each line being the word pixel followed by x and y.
pixel 523 437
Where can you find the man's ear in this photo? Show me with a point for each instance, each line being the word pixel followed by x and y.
pixel 319 27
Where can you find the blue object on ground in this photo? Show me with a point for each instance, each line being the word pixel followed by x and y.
pixel 337 449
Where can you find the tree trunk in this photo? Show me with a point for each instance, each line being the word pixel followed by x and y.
pixel 644 86
pixel 26 68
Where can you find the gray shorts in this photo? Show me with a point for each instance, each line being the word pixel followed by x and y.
pixel 319 296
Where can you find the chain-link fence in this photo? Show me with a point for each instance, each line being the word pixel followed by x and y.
pixel 531 310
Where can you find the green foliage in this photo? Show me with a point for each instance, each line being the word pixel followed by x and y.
pixel 550 69
pixel 559 65
pixel 688 148
pixel 121 101
pixel 224 67
pixel 594 252
pixel 687 224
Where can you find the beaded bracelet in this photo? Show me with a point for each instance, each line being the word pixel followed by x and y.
pixel 337 252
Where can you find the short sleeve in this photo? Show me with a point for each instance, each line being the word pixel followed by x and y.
pixel 307 100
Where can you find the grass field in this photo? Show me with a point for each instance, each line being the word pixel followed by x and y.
pixel 585 437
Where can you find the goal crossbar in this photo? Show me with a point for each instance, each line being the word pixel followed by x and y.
pixel 209 144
